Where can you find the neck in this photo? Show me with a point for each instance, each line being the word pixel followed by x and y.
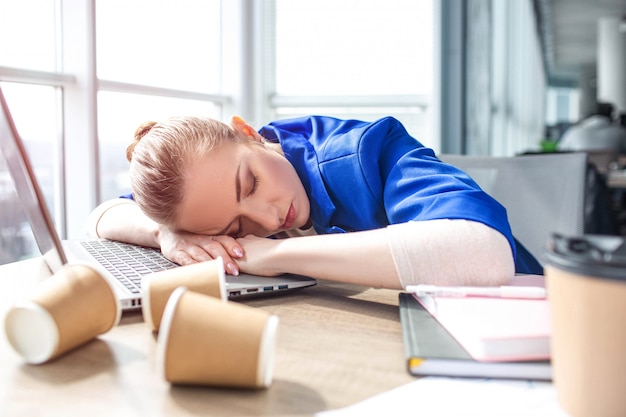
pixel 275 147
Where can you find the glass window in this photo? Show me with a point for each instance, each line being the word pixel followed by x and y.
pixel 34 110
pixel 171 44
pixel 353 47
pixel 119 115
pixel 356 48
pixel 416 120
pixel 16 238
pixel 166 44
pixel 27 34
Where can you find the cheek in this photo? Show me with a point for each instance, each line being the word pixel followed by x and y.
pixel 291 181
pixel 283 176
pixel 284 182
pixel 295 188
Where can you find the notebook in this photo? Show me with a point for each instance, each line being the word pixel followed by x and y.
pixel 495 328
pixel 431 350
pixel 122 264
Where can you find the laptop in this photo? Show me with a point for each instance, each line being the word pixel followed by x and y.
pixel 122 264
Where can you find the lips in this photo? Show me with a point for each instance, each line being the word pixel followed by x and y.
pixel 291 217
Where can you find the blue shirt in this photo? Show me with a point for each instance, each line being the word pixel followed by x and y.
pixel 367 175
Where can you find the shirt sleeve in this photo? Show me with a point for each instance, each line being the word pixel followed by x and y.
pixel 417 186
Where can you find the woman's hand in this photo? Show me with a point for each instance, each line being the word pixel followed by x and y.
pixel 186 248
pixel 260 255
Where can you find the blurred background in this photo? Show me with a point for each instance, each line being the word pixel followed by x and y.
pixel 478 77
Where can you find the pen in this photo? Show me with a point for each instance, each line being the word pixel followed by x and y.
pixel 501 292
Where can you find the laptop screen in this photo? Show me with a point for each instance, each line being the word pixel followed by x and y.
pixel 28 189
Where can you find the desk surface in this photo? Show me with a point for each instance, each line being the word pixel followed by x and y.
pixel 337 344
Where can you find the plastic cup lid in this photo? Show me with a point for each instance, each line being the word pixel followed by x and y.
pixel 592 255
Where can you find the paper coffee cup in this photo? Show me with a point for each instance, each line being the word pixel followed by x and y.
pixel 67 310
pixel 204 277
pixel 203 341
pixel 586 283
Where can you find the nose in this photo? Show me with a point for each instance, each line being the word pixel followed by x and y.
pixel 261 218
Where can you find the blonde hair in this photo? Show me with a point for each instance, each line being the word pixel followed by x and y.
pixel 160 156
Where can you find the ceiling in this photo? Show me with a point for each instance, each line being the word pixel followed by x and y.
pixel 569 34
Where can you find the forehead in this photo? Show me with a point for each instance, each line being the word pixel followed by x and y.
pixel 210 197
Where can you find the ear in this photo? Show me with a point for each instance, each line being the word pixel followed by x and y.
pixel 244 128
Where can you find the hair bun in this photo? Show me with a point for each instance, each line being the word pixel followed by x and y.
pixel 139 133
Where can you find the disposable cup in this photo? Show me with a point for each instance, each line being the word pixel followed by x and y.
pixel 70 308
pixel 204 341
pixel 586 283
pixel 204 277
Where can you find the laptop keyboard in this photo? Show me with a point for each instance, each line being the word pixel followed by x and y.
pixel 128 263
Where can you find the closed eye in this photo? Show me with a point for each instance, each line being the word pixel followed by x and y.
pixel 255 185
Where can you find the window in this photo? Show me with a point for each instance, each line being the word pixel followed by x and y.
pixel 355 59
pixel 33 23
pixel 35 109
pixel 171 44
pixel 151 57
pixel 29 102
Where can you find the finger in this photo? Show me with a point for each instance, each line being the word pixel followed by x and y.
pixel 182 258
pixel 200 254
pixel 233 248
pixel 185 258
pixel 214 249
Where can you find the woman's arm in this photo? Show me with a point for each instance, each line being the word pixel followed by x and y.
pixel 122 220
pixel 451 252
pixel 359 257
pixel 442 252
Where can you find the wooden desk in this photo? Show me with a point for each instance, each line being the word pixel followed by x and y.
pixel 337 344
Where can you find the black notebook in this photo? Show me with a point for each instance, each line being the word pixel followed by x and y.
pixel 431 350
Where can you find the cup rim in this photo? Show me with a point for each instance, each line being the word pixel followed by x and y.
pixel 38 345
pixel 222 278
pixel 146 307
pixel 165 328
pixel 267 352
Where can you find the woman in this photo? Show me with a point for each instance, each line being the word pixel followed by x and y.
pixel 203 189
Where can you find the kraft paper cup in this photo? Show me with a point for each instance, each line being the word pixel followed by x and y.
pixel 67 310
pixel 204 277
pixel 586 283
pixel 203 341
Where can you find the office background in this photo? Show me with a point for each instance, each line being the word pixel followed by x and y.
pixel 481 77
